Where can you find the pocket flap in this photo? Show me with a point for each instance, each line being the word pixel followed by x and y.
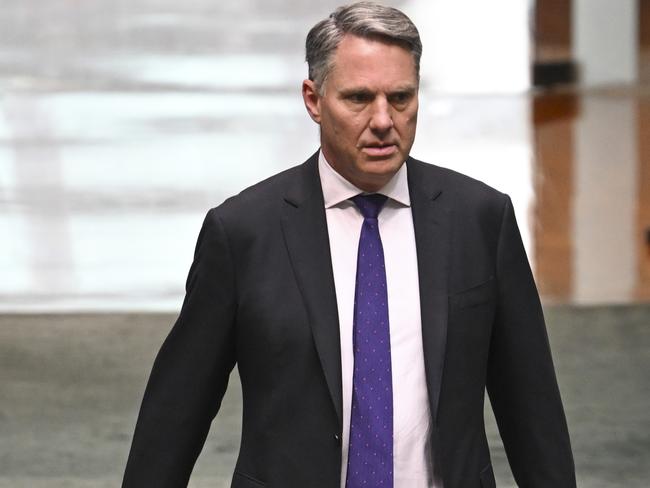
pixel 475 295
pixel 242 480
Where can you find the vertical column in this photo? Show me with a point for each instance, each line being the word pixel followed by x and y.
pixel 605 40
pixel 643 213
pixel 553 118
pixel 553 62
pixel 643 222
pixel 552 30
pixel 554 114
pixel 644 41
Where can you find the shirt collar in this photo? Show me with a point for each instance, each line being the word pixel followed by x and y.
pixel 337 189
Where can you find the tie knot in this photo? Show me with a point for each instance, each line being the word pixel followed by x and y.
pixel 370 205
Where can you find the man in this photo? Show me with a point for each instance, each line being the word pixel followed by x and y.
pixel 368 300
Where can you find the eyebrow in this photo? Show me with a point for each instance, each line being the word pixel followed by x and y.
pixel 408 88
pixel 353 91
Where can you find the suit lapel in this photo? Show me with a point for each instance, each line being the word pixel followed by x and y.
pixel 305 231
pixel 432 223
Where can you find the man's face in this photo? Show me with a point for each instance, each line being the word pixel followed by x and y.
pixel 368 111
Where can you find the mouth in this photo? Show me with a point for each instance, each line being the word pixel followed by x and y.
pixel 380 150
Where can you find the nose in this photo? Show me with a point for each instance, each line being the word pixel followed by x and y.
pixel 381 120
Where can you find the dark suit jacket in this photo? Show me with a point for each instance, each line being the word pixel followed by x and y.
pixel 260 294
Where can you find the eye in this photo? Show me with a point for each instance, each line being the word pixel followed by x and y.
pixel 400 98
pixel 359 97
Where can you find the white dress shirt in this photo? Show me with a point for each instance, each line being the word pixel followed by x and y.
pixel 412 464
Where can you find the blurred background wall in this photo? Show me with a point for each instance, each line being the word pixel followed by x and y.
pixel 123 122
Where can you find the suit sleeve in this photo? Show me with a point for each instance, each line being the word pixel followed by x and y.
pixel 521 379
pixel 190 373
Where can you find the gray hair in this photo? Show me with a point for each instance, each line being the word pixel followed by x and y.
pixel 362 19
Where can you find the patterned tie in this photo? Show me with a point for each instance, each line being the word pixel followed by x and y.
pixel 370 456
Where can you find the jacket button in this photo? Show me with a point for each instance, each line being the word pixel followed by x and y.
pixel 337 438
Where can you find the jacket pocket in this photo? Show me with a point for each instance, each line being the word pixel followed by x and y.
pixel 487 477
pixel 242 480
pixel 474 296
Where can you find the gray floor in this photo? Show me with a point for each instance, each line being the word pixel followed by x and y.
pixel 70 387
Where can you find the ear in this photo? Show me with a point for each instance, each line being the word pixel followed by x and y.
pixel 311 97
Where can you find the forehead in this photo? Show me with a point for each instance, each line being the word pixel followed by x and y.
pixel 359 60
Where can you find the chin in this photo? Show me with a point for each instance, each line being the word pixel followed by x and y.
pixel 374 177
pixel 383 166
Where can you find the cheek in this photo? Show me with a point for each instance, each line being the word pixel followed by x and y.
pixel 343 128
pixel 347 133
pixel 408 123
pixel 410 115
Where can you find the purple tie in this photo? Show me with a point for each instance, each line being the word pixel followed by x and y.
pixel 370 457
